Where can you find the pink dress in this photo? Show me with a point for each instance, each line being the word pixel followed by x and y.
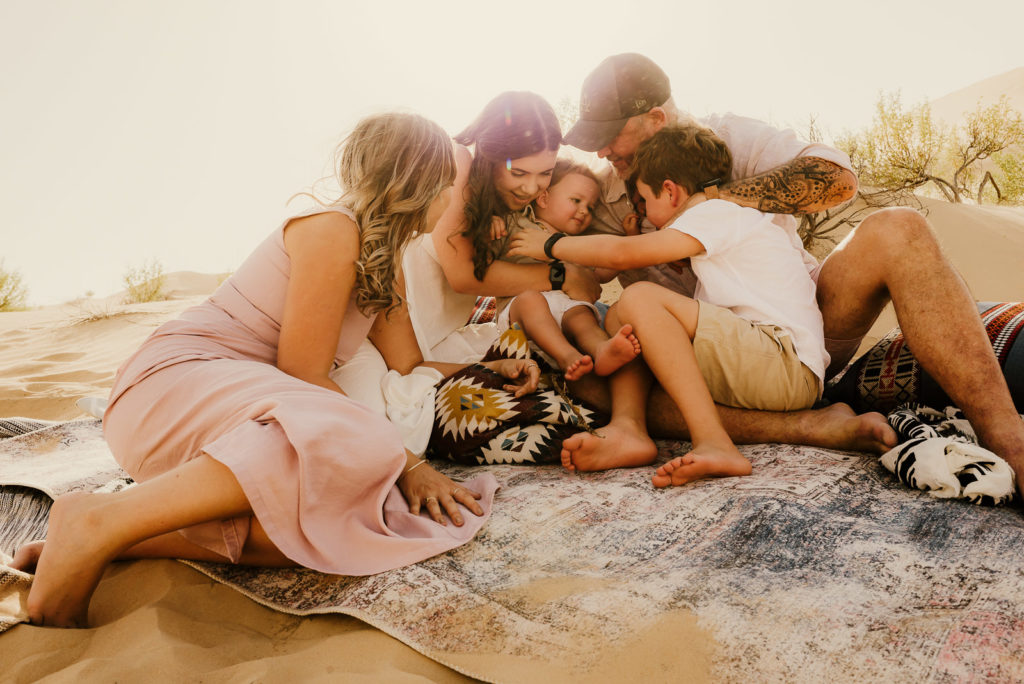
pixel 318 468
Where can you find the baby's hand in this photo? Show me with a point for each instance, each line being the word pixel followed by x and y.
pixel 498 228
pixel 631 224
pixel 530 242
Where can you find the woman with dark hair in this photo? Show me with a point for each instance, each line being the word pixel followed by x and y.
pixel 505 160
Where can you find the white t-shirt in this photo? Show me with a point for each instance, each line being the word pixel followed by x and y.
pixel 756 148
pixel 751 268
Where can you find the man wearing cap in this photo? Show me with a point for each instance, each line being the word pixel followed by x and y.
pixel 892 255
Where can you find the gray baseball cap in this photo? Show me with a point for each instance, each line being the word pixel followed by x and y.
pixel 622 86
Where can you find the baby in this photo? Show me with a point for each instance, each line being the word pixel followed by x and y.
pixel 567 330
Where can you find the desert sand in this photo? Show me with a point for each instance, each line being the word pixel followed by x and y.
pixel 163 619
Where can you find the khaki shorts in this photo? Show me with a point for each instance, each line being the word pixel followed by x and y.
pixel 751 366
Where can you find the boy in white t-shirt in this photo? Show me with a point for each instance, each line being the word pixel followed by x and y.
pixel 750 337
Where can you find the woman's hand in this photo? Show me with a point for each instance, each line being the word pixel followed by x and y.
pixel 530 242
pixel 525 374
pixel 423 487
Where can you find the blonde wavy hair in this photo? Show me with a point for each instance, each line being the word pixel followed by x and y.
pixel 390 168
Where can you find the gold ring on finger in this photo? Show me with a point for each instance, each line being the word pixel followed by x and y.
pixel 431 498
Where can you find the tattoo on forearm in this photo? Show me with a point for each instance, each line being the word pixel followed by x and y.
pixel 804 185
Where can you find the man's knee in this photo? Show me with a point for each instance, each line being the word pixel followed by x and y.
pixel 896 230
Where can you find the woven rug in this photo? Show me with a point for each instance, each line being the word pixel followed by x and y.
pixel 819 566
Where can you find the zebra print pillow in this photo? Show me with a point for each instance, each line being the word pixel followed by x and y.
pixel 938 452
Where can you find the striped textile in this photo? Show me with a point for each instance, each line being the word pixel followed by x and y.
pixel 24 513
pixel 485 311
pixel 12 427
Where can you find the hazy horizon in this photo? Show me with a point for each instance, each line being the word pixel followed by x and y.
pixel 179 131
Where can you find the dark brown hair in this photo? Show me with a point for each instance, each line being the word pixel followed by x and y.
pixel 513 125
pixel 686 154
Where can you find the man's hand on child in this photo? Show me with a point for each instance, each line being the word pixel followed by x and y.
pixel 631 224
pixel 530 242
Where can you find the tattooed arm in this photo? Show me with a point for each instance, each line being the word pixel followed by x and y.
pixel 803 186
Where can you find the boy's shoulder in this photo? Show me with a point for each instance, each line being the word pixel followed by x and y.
pixel 718 210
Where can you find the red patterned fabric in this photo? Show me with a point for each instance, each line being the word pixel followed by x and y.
pixel 888 375
pixel 485 310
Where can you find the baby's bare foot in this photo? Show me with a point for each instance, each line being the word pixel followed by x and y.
pixel 614 446
pixel 704 461
pixel 576 369
pixel 617 351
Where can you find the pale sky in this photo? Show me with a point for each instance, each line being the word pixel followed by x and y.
pixel 178 130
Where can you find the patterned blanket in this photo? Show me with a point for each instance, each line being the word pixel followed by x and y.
pixel 819 566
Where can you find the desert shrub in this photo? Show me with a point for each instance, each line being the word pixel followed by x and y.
pixel 145 283
pixel 908 150
pixel 12 290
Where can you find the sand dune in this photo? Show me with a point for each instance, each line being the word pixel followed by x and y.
pixel 951 108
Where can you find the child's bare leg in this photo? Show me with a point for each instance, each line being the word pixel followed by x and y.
pixel 530 310
pixel 666 323
pixel 610 352
pixel 624 442
pixel 88 531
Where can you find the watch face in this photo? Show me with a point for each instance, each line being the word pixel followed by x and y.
pixel 557 275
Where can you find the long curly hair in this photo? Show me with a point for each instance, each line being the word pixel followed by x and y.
pixel 390 168
pixel 513 125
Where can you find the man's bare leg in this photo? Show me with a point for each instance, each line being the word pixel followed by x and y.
pixel 88 531
pixel 894 254
pixel 833 427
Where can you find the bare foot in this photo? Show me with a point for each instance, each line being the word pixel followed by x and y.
pixel 703 461
pixel 620 349
pixel 839 427
pixel 576 369
pixel 616 446
pixel 71 562
pixel 26 557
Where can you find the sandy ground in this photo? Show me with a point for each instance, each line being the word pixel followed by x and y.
pixel 160 618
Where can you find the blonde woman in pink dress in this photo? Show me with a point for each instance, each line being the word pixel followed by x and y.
pixel 243 449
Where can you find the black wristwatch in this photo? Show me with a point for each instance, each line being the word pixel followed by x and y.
pixel 550 243
pixel 557 274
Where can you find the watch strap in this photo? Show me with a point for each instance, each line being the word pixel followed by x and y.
pixel 550 243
